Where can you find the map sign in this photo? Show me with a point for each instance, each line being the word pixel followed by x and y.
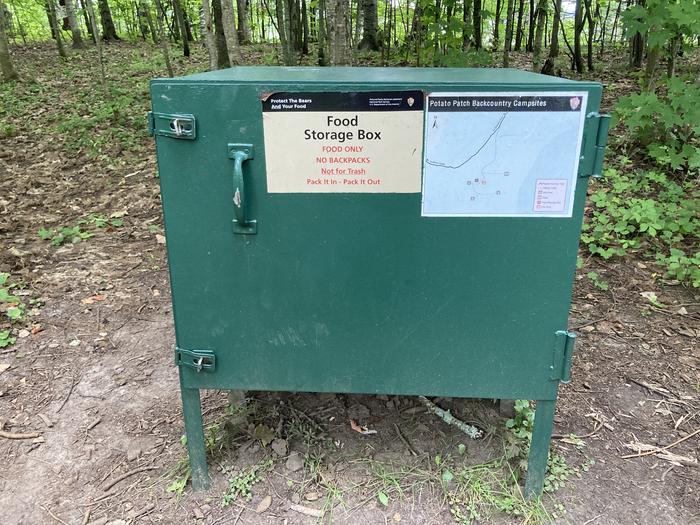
pixel 502 154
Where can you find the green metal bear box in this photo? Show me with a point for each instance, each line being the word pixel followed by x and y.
pixel 375 230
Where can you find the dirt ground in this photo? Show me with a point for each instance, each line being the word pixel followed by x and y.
pixel 92 374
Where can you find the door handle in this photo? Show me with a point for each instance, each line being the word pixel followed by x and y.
pixel 241 224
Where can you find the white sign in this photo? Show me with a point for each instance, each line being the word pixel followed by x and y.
pixel 343 142
pixel 502 154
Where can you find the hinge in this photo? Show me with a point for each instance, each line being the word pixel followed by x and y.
pixel 200 360
pixel 602 125
pixel 170 125
pixel 563 354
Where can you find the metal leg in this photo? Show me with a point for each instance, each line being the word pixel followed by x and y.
pixel 192 410
pixel 539 449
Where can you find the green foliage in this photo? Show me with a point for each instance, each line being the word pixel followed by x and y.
pixel 661 20
pixel 598 281
pixel 242 483
pixel 6 339
pixel 666 126
pixel 12 305
pixel 77 233
pixel 684 268
pixel 521 425
pixel 644 210
pixel 64 234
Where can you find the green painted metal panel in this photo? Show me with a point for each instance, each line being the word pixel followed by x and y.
pixel 355 292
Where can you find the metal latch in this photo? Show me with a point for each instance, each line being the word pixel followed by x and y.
pixel 169 125
pixel 563 355
pixel 602 123
pixel 200 360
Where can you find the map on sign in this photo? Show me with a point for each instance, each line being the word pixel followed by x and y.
pixel 502 154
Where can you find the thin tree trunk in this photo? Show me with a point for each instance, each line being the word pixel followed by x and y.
pixel 208 33
pixel 304 28
pixel 109 32
pixel 227 18
pixel 554 39
pixel 6 66
pixel 614 28
pixel 591 34
pixel 541 17
pixel 531 26
pixel 98 42
pixel 477 24
pixel 603 30
pixel 146 9
pixel 54 28
pixel 73 22
pixel 244 36
pixel 674 46
pixel 519 28
pixel 497 24
pixel 578 29
pixel 509 32
pixel 467 25
pixel 182 30
pixel 164 46
pixel 322 34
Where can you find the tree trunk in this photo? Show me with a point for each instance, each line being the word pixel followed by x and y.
pixel 519 29
pixel 532 15
pixel 591 35
pixel 322 34
pixel 338 32
pixel 227 18
pixel 304 28
pixel 74 27
pixel 165 48
pixel 6 67
pixel 54 28
pixel 98 42
pixel 477 24
pixel 554 39
pixel 578 29
pixel 467 25
pixel 221 51
pixel 674 47
pixel 603 30
pixel 208 34
pixel 243 26
pixel 509 32
pixel 109 32
pixel 617 18
pixel 146 10
pixel 182 30
pixel 540 17
pixel 497 24
pixel 281 10
pixel 370 25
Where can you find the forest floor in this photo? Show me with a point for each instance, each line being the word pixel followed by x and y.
pixel 92 372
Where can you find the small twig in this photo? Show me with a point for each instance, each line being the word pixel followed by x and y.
pixel 595 430
pixel 53 515
pixel 405 441
pixel 65 399
pixel 595 321
pixel 86 519
pixel 650 452
pixel 15 435
pixel 469 430
pixel 126 475
pixel 592 519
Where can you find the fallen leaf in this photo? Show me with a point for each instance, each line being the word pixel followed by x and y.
pixel 118 214
pixel 74 343
pixel 23 333
pixel 36 329
pixel 311 496
pixel 682 311
pixel 160 239
pixel 264 504
pixel 3 367
pixel 93 299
